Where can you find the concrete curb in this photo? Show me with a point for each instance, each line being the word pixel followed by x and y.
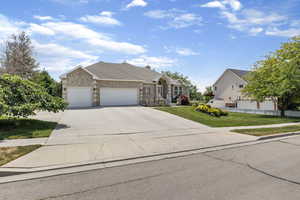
pixel 279 135
pixel 14 175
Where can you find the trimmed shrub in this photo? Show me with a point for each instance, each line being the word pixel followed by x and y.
pixel 217 112
pixel 184 100
pixel 21 98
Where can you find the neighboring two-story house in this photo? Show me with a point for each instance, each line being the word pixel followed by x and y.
pixel 227 92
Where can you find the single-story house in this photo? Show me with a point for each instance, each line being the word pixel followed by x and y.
pixel 114 84
pixel 227 92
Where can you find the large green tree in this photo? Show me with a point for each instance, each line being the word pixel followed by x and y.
pixel 43 79
pixel 17 57
pixel 208 94
pixel 194 93
pixel 277 77
pixel 21 98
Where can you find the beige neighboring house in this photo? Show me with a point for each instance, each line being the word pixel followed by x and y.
pixel 227 92
pixel 113 84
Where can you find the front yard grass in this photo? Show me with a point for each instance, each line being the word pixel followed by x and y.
pixel 268 131
pixel 233 119
pixel 8 154
pixel 24 128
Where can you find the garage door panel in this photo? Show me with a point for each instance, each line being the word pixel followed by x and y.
pixel 118 96
pixel 79 96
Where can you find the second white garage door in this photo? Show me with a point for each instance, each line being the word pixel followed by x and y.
pixel 118 96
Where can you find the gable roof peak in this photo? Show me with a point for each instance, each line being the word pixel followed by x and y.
pixel 240 73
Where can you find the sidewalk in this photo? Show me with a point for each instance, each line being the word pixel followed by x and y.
pixel 23 142
pixel 260 126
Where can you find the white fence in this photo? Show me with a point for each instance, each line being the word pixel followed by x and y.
pixel 288 113
pixel 253 105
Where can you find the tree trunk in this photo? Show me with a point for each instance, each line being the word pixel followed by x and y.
pixel 282 113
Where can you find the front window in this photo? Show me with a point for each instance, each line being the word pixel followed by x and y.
pixel 241 86
pixel 180 90
pixel 159 90
pixel 176 90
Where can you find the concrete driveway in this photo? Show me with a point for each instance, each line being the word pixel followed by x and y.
pixel 114 133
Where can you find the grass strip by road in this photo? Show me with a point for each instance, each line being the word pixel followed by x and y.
pixel 233 119
pixel 12 128
pixel 8 154
pixel 268 131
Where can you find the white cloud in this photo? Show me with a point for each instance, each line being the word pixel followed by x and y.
pixel 214 4
pixel 59 55
pixel 136 3
pixel 290 32
pixel 224 5
pixel 43 18
pixel 78 31
pixel 57 58
pixel 234 4
pixel 253 16
pixel 154 62
pixel 186 20
pixel 122 47
pixel 8 27
pixel 180 51
pixel 51 48
pixel 35 28
pixel 104 18
pixel 186 52
pixel 176 18
pixel 255 31
pixel 161 14
pixel 73 30
pixel 252 21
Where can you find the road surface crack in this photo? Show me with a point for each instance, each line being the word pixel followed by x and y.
pixel 254 169
pixel 110 185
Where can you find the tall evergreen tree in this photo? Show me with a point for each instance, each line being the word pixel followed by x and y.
pixel 17 57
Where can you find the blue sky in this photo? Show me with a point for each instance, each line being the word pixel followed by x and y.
pixel 199 38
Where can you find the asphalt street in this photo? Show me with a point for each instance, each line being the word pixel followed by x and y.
pixel 267 171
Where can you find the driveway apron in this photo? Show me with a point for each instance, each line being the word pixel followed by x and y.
pixel 114 133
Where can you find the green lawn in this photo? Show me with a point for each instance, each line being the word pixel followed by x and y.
pixel 8 154
pixel 233 119
pixel 268 131
pixel 24 128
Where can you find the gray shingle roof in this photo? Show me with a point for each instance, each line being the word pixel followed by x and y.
pixel 122 71
pixel 240 73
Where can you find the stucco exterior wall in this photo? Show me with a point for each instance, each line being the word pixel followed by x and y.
pixel 227 88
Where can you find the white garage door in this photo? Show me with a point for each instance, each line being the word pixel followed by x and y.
pixel 79 96
pixel 118 96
